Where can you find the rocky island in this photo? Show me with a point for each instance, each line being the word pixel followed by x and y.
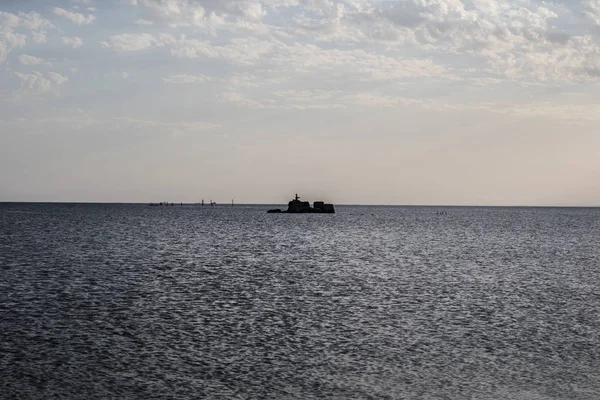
pixel 303 207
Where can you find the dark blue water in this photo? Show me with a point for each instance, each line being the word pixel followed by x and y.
pixel 131 301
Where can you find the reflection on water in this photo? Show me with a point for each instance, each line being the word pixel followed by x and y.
pixel 131 301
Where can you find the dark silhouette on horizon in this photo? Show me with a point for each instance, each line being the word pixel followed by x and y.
pixel 296 206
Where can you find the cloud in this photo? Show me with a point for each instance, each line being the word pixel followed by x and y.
pixel 9 41
pixel 194 48
pixel 75 17
pixel 306 99
pixel 38 83
pixel 246 80
pixel 58 78
pixel 240 100
pixel 592 9
pixel 318 99
pixel 32 23
pixel 240 50
pixel 130 42
pixel 509 38
pixel 378 100
pixel 121 74
pixel 186 79
pixel 143 22
pixel 25 59
pixel 137 41
pixel 209 16
pixel 361 64
pixel 38 36
pixel 500 38
pixel 74 41
pixel 310 58
pixel 34 82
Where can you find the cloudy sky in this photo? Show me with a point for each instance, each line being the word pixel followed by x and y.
pixel 491 102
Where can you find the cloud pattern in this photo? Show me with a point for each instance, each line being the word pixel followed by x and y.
pixel 470 40
pixel 221 68
pixel 345 47
pixel 507 39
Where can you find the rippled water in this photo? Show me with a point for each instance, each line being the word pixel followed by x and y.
pixel 131 301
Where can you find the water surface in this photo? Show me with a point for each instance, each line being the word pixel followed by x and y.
pixel 131 301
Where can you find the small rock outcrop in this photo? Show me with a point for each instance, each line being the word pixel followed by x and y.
pixel 303 207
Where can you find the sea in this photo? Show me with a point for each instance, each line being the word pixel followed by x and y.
pixel 127 301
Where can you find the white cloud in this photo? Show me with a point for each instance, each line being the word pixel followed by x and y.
pixel 75 17
pixel 143 22
pixel 9 41
pixel 137 41
pixel 31 22
pixel 194 48
pixel 74 41
pixel 25 59
pixel 186 79
pixel 313 99
pixel 378 100
pixel 37 83
pixel 246 80
pixel 34 82
pixel 362 65
pixel 508 39
pixel 513 38
pixel 240 100
pixel 121 74
pixel 58 78
pixel 38 36
pixel 130 42
pixel 305 99
pixel 240 50
pixel 209 16
pixel 592 9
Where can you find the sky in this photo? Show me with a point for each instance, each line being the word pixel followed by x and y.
pixel 421 102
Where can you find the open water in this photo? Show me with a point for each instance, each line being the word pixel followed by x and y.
pixel 131 301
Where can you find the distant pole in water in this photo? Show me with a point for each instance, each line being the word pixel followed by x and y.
pixel 202 202
pixel 231 202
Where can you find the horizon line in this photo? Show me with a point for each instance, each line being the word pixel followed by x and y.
pixel 272 204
